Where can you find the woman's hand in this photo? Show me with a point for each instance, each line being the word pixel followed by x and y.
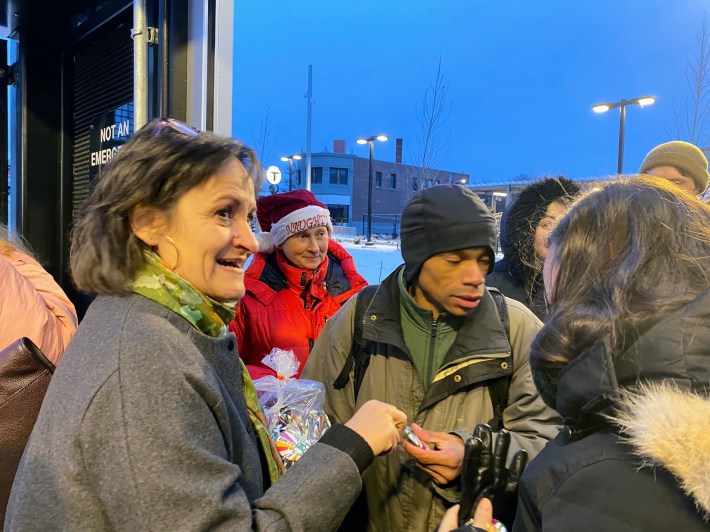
pixel 482 518
pixel 443 461
pixel 379 424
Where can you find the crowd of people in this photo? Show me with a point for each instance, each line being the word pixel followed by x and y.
pixel 584 352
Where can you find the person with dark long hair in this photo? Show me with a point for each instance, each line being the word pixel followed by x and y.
pixel 525 226
pixel 624 357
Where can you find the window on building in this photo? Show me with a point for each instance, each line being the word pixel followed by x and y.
pixel 393 181
pixel 338 176
pixel 378 179
pixel 298 173
pixel 415 184
pixel 339 213
pixel 316 175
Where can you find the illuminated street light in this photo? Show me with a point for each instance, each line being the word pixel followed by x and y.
pixel 371 142
pixel 290 160
pixel 604 107
pixel 494 200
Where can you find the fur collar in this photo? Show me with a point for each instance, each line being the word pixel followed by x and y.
pixel 671 427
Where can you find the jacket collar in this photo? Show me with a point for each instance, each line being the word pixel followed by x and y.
pixel 675 349
pixel 480 333
pixel 298 278
pixel 668 426
pixel 420 317
pixel 264 278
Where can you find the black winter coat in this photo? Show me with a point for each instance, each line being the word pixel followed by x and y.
pixel 657 476
pixel 513 287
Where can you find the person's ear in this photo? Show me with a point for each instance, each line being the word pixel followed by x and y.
pixel 148 224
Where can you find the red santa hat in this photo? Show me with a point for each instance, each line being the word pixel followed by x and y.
pixel 281 216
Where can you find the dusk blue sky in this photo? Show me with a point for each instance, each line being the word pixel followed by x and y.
pixel 522 77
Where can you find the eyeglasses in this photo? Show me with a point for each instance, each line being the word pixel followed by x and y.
pixel 175 125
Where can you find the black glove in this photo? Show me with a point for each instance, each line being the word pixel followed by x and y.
pixel 484 474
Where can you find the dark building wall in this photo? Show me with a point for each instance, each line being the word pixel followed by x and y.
pixel 39 141
pixel 76 63
pixel 46 30
pixel 387 201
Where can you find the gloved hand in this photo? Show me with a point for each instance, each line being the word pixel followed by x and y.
pixel 484 475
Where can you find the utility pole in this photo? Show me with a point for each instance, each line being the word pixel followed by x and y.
pixel 309 97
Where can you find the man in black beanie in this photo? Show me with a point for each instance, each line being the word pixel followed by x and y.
pixel 435 343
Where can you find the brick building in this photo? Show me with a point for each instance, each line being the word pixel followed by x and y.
pixel 340 181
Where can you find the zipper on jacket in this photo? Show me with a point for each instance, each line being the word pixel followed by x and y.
pixel 306 286
pixel 432 349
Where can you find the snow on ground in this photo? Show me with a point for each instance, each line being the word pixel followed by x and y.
pixel 374 262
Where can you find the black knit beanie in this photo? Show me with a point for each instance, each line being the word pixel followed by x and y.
pixel 444 218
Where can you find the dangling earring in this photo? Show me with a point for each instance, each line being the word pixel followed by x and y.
pixel 177 251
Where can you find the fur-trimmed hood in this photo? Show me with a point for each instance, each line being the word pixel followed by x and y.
pixel 670 427
pixel 657 391
pixel 520 220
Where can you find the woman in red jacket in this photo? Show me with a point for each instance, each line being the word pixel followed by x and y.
pixel 298 280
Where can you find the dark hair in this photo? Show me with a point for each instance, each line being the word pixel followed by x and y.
pixel 151 170
pixel 623 257
pixel 520 222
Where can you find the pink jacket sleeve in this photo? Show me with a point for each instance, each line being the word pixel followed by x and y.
pixel 33 305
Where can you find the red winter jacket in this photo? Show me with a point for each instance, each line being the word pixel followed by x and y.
pixel 287 307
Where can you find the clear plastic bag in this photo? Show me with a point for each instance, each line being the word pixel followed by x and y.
pixel 293 407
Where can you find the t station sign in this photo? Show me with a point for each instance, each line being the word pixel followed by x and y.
pixel 273 176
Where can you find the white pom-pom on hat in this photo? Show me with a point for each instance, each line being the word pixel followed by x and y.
pixel 266 242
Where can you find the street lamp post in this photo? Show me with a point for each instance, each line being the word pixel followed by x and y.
pixel 371 142
pixel 494 205
pixel 604 107
pixel 290 160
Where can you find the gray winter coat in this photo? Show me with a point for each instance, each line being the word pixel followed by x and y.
pixel 144 427
pixel 399 495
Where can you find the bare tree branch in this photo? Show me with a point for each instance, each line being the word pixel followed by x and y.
pixel 264 141
pixel 430 149
pixel 691 120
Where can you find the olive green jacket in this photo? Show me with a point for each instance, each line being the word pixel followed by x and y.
pixel 400 496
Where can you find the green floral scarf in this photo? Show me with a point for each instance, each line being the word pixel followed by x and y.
pixel 158 283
